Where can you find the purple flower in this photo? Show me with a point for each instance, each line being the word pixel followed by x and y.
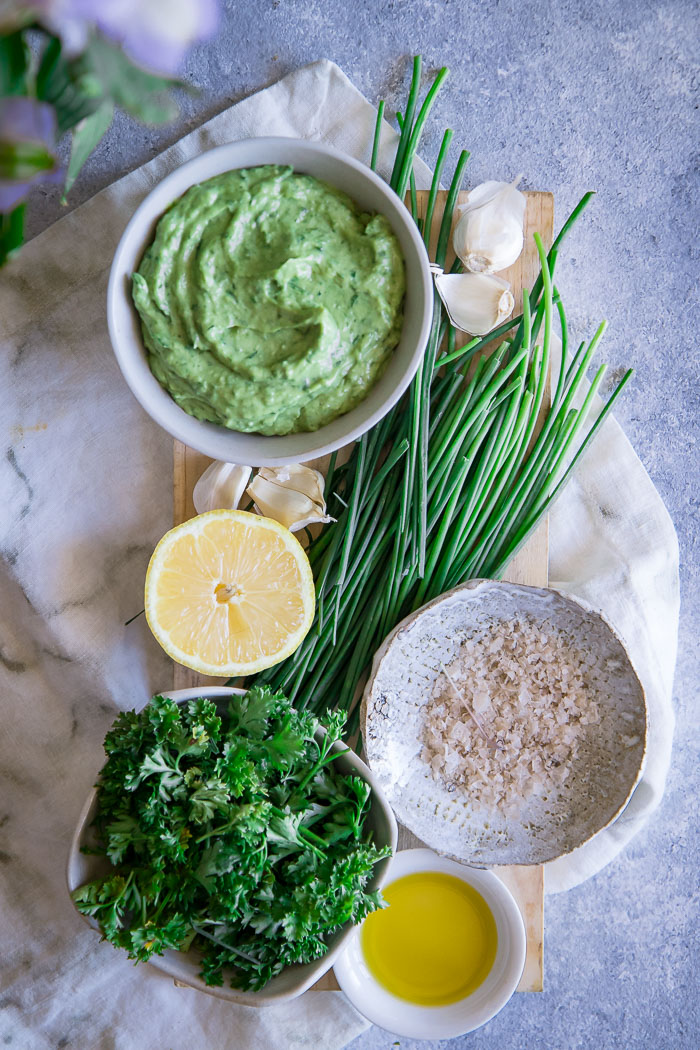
pixel 156 34
pixel 27 136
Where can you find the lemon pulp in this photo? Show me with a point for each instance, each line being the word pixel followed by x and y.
pixel 229 593
pixel 435 943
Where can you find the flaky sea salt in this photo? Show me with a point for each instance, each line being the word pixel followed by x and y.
pixel 530 687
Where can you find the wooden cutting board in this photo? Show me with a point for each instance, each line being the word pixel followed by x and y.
pixel 530 566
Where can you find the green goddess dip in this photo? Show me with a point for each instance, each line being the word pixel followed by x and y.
pixel 269 302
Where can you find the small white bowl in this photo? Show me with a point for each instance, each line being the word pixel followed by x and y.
pixel 372 194
pixel 185 966
pixel 440 1022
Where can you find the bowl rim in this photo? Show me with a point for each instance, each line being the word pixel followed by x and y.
pixel 474 586
pixel 163 963
pixel 209 438
pixel 402 1017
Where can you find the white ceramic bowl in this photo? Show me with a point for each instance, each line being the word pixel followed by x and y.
pixel 185 966
pixel 372 194
pixel 440 1022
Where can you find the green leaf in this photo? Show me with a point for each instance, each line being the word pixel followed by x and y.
pixel 156 764
pixel 204 722
pixel 236 770
pixel 334 722
pixel 215 861
pixel 164 715
pixel 151 940
pixel 11 233
pixel 105 900
pixel 174 842
pixel 48 66
pixel 14 65
pixel 252 711
pixel 207 799
pixel 303 866
pixel 283 831
pixel 141 94
pixel 339 828
pixel 122 833
pixel 85 137
pixel 264 924
pixel 285 746
pixel 71 87
pixel 201 855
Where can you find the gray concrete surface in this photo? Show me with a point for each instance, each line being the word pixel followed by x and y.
pixel 599 95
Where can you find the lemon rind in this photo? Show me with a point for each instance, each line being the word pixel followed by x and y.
pixel 195 526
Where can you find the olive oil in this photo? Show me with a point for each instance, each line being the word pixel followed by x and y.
pixel 435 943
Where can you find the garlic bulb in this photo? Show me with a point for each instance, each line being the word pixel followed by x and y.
pixel 489 234
pixel 475 302
pixel 292 495
pixel 220 487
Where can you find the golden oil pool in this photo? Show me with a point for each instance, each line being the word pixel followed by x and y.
pixel 435 943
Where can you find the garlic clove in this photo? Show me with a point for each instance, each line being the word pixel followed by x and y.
pixel 475 302
pixel 489 235
pixel 292 495
pixel 220 487
pixel 296 476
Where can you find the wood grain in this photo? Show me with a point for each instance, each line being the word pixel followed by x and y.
pixel 530 566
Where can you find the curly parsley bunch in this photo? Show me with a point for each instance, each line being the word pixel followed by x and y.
pixel 232 834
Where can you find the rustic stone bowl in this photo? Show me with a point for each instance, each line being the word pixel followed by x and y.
pixel 608 762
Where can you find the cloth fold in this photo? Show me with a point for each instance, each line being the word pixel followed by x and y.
pixel 87 487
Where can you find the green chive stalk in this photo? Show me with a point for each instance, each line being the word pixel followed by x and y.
pixel 454 479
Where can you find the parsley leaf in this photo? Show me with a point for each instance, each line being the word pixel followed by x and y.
pixel 230 831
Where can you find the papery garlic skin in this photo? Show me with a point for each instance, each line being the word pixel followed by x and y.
pixel 292 495
pixel 475 302
pixel 220 487
pixel 489 234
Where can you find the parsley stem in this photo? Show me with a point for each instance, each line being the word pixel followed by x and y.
pixel 303 833
pixel 217 831
pixel 309 834
pixel 326 758
pixel 222 944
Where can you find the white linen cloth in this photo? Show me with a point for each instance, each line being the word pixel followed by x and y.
pixel 86 494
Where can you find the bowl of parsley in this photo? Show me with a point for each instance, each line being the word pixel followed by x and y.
pixel 232 841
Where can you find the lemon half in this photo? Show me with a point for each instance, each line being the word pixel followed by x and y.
pixel 229 593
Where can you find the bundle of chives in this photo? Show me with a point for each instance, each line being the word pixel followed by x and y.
pixel 450 484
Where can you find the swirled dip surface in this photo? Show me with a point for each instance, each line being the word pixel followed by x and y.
pixel 269 302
